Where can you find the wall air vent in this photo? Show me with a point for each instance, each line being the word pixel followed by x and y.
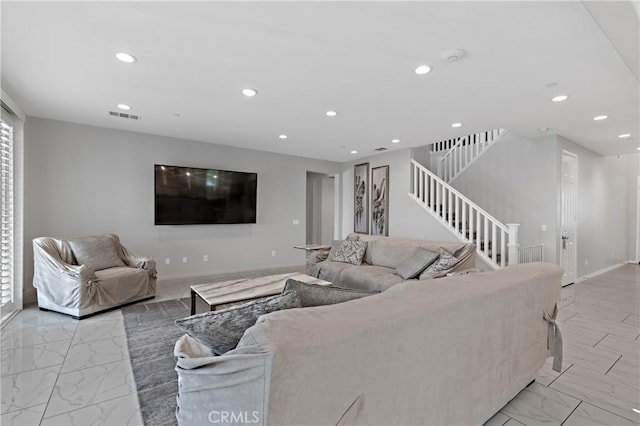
pixel 382 148
pixel 124 115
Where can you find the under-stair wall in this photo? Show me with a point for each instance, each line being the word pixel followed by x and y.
pixel 516 180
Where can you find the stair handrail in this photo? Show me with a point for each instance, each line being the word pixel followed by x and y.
pixel 475 138
pixel 510 230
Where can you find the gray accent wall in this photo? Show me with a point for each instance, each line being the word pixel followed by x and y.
pixel 603 208
pixel 518 180
pixel 515 181
pixel 83 180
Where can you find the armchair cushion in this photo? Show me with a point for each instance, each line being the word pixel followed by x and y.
pixel 97 253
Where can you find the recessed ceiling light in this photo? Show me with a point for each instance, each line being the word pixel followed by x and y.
pixel 543 129
pixel 249 92
pixel 560 98
pixel 354 152
pixel 282 136
pixel 638 148
pixel 395 140
pixel 125 107
pixel 422 69
pixel 331 113
pixel 454 125
pixel 624 135
pixel 125 57
pixel 600 117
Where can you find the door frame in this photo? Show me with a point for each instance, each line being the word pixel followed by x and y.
pixel 638 220
pixel 564 153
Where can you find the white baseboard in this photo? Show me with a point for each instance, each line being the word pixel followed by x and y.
pixel 601 271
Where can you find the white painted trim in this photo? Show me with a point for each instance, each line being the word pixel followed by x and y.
pixel 14 106
pixel 600 272
pixel 337 205
pixel 638 220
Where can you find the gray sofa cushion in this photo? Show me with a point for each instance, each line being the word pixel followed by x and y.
pixel 416 263
pixel 444 262
pixel 96 253
pixel 369 277
pixel 319 295
pixel 348 251
pixel 222 330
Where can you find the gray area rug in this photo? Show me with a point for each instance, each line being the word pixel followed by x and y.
pixel 151 335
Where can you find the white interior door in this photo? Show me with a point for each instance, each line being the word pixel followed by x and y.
pixel 569 217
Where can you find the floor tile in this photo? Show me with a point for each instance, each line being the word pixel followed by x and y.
pixel 29 336
pixel 577 334
pixel 632 320
pixel 546 375
pixel 615 328
pixel 33 357
pixel 589 357
pixel 98 329
pixel 629 307
pixel 28 389
pixel 626 371
pixel 589 415
pixel 599 390
pixel 538 404
pixel 499 419
pixel 513 422
pixel 81 388
pixel 96 352
pixel 33 317
pixel 626 347
pixel 119 411
pixel 27 417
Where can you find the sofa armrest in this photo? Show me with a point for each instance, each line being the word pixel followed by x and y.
pixel 134 261
pixel 463 272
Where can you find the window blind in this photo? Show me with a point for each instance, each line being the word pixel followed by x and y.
pixel 6 214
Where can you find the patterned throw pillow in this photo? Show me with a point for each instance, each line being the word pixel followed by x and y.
pixel 444 262
pixel 348 252
pixel 320 295
pixel 96 253
pixel 416 263
pixel 222 330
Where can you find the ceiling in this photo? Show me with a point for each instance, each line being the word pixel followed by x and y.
pixel 305 58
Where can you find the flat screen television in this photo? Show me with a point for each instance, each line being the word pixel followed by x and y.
pixel 191 196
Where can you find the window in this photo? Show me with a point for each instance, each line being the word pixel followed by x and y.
pixel 6 214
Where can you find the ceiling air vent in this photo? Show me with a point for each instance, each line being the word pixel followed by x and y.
pixel 382 148
pixel 124 115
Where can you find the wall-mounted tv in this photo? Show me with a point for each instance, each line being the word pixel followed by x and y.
pixel 190 196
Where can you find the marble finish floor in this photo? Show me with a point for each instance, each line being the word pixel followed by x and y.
pixel 59 371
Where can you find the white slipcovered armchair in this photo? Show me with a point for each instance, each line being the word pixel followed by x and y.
pixel 84 276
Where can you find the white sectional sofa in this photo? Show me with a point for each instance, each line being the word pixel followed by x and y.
pixel 451 351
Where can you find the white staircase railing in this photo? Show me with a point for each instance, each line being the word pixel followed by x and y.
pixel 496 243
pixel 465 151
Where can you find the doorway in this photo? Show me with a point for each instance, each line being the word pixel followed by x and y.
pixel 638 221
pixel 569 217
pixel 320 208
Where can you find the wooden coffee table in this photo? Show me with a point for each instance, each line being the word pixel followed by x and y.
pixel 242 290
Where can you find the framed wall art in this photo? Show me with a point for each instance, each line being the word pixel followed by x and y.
pixel 380 200
pixel 360 198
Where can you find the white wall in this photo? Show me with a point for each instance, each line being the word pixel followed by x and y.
pixel 633 173
pixel 515 181
pixel 406 218
pixel 603 208
pixel 83 180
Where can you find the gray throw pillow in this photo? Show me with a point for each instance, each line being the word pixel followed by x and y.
pixel 96 253
pixel 222 330
pixel 416 263
pixel 348 252
pixel 444 262
pixel 318 295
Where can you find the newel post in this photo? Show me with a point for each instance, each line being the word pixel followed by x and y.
pixel 512 245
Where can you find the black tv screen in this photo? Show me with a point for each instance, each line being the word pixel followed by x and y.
pixel 190 196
